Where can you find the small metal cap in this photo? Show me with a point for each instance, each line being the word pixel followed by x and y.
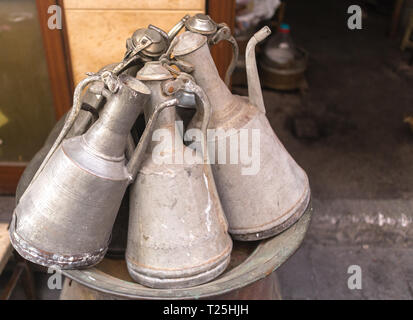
pixel 153 71
pixel 201 23
pixel 159 43
pixel 188 42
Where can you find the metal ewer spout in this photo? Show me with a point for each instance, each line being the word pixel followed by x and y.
pixel 254 85
pixel 65 217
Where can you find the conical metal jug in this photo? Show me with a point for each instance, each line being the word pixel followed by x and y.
pixel 177 233
pixel 269 192
pixel 65 217
pixel 90 100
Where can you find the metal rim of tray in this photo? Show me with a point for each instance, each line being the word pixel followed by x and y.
pixel 265 259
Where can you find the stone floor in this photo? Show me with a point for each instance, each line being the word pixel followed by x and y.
pixel 360 89
pixel 360 169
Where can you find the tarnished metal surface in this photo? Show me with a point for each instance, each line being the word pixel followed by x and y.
pixel 254 86
pixel 35 163
pixel 264 289
pixel 284 187
pixel 78 121
pixel 158 44
pixel 177 233
pixel 187 43
pixel 266 257
pixel 65 217
pixel 69 121
pixel 153 71
pixel 201 23
pixel 117 245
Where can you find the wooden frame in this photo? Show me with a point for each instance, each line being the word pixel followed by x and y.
pixel 9 177
pixel 61 83
pixel 57 53
pixel 222 11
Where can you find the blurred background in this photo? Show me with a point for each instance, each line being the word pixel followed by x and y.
pixel 338 95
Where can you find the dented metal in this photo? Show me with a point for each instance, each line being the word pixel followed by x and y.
pixel 284 188
pixel 177 234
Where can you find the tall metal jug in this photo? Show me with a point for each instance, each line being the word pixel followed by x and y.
pixel 273 193
pixel 177 233
pixel 65 216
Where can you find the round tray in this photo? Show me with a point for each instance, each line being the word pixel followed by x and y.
pixel 250 262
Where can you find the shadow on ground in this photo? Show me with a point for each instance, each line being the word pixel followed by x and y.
pixel 360 169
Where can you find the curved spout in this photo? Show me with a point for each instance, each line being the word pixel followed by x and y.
pixel 254 86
